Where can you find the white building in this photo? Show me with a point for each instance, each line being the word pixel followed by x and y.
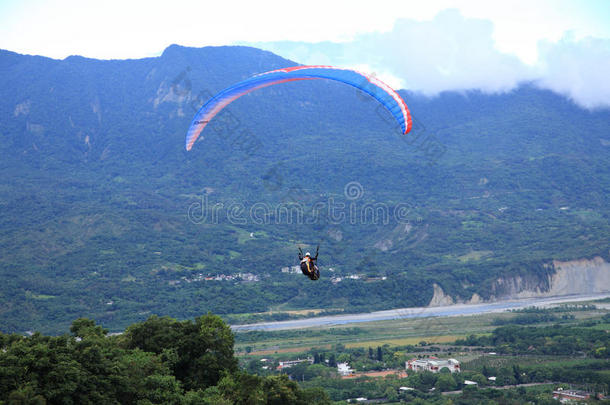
pixel 434 365
pixel 344 369
pixel 290 363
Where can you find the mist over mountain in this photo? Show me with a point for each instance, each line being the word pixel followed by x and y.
pixel 104 213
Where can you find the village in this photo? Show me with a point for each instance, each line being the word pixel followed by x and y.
pixel 253 278
pixel 334 278
pixel 200 277
pixel 431 364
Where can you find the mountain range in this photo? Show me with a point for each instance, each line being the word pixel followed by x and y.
pixel 106 215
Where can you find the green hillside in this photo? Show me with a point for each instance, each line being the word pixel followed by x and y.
pixel 105 215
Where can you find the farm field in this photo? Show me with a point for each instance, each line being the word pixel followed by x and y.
pixel 397 332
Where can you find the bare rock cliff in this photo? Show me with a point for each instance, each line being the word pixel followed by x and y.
pixel 584 276
pixel 580 277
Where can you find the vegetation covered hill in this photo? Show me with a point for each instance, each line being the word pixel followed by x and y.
pixel 105 215
pixel 165 361
pixel 160 361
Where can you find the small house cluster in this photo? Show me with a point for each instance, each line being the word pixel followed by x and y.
pixel 247 277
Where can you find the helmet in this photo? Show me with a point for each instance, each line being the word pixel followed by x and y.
pixel 307 254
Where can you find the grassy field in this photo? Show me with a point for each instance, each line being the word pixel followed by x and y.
pixel 393 332
pixel 285 350
pixel 295 312
pixel 407 341
pixel 397 332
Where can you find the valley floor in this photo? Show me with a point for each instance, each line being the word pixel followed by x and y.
pixel 421 312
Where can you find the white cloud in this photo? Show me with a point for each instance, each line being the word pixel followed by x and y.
pixel 452 52
pixel 449 52
pixel 138 28
pixel 578 69
pixel 487 45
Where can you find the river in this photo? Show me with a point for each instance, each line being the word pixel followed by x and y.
pixel 420 312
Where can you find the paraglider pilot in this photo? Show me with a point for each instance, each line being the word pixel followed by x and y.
pixel 308 264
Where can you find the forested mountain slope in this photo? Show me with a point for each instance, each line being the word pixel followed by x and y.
pixel 105 215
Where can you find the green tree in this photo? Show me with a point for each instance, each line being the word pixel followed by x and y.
pixel 505 377
pixel 280 390
pixel 317 370
pixel 25 396
pixel 241 388
pixel 314 396
pixel 143 376
pixel 204 349
pixel 485 371
pixel 83 327
pixel 480 379
pixel 391 394
pixel 445 382
pixel 211 396
pixel 332 362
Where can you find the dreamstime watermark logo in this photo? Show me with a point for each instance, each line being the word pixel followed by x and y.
pixel 351 210
pixel 353 190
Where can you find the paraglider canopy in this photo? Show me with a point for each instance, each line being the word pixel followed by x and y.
pixel 367 83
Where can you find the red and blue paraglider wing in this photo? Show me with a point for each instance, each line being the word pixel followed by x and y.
pixel 368 84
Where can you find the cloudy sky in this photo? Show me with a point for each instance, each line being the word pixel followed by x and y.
pixel 428 46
